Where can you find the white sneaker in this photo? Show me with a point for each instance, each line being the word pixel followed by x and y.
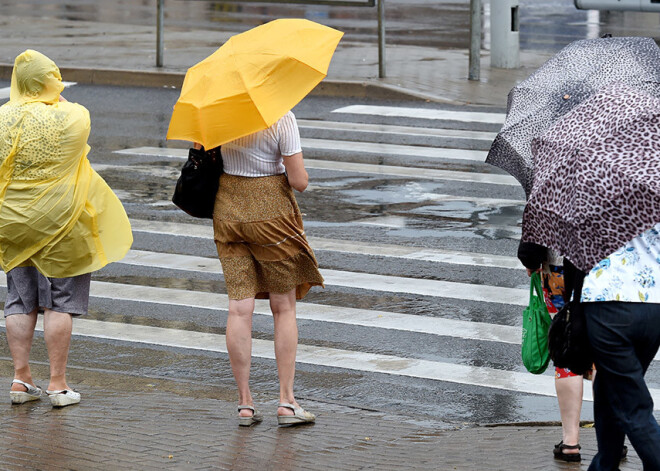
pixel 64 397
pixel 33 393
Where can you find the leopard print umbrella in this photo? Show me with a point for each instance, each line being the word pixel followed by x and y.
pixel 570 77
pixel 597 176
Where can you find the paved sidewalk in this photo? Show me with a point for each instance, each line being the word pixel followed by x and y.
pixel 111 53
pixel 154 424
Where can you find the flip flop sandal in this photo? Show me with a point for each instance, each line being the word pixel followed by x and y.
pixel 63 397
pixel 300 415
pixel 250 420
pixel 570 457
pixel 33 393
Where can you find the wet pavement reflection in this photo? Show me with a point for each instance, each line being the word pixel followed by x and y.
pixel 545 25
pixel 409 208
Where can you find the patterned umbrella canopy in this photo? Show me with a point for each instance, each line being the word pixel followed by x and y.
pixel 597 177
pixel 570 77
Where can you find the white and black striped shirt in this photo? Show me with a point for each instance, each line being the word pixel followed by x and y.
pixel 260 154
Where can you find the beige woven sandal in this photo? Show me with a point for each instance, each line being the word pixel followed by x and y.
pixel 33 393
pixel 300 415
pixel 248 421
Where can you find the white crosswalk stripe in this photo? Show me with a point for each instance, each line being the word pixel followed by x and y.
pixel 426 173
pixel 393 150
pixel 366 281
pixel 411 131
pixel 355 147
pixel 423 113
pixel 343 246
pixel 390 170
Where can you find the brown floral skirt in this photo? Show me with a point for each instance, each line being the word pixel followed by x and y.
pixel 260 238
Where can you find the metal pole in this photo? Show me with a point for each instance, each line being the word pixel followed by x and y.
pixel 381 38
pixel 160 14
pixel 475 40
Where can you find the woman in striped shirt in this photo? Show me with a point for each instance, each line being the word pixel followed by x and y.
pixel 264 253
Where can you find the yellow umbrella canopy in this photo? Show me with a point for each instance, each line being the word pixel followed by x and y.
pixel 253 80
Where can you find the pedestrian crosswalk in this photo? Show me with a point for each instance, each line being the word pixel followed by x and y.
pixel 424 251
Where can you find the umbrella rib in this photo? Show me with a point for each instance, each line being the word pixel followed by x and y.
pixel 245 87
pixel 325 74
pixel 251 97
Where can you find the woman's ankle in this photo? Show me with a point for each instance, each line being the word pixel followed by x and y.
pixel 58 386
pixel 19 386
pixel 573 443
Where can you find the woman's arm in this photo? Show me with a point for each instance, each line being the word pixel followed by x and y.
pixel 295 171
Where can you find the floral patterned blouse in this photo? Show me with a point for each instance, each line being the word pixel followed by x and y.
pixel 631 274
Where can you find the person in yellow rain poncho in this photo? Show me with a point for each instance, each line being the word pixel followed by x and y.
pixel 59 220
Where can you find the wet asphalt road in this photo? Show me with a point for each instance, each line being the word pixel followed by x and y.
pixel 378 210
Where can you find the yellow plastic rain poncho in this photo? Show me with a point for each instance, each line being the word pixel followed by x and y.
pixel 56 213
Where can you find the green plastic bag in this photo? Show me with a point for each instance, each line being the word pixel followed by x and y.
pixel 536 322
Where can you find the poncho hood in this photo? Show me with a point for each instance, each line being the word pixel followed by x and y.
pixel 35 78
pixel 56 213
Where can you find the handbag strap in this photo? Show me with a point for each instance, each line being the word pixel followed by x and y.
pixel 573 281
pixel 535 285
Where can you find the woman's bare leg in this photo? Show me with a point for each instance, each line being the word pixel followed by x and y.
pixel 57 334
pixel 283 307
pixel 569 396
pixel 20 331
pixel 239 346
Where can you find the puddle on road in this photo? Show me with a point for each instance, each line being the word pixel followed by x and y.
pixel 183 283
pixel 192 326
pixel 356 200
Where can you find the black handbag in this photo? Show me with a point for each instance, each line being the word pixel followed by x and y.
pixel 199 181
pixel 567 337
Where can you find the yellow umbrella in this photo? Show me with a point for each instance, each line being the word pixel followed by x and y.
pixel 253 80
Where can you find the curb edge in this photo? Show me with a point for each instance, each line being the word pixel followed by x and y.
pixel 158 79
